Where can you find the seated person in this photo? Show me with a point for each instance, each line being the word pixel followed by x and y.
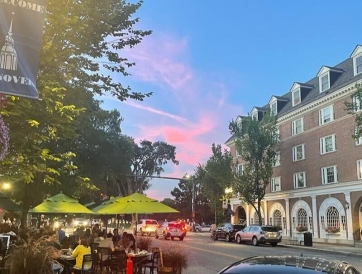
pixel 116 237
pixel 54 250
pixel 126 242
pixel 108 243
pixel 132 240
pixel 82 249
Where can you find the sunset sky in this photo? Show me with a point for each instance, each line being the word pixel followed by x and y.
pixel 209 61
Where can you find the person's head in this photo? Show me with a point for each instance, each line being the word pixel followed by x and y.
pixel 83 241
pixel 109 235
pixel 115 231
pixel 124 235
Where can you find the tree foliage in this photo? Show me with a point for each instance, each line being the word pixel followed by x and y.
pixel 353 107
pixel 257 143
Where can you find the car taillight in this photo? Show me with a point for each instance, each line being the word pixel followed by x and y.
pixel 167 228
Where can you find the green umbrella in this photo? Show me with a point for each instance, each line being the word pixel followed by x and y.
pixel 7 204
pixel 135 203
pixel 60 203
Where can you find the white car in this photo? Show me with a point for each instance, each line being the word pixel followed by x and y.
pixel 204 228
pixel 146 226
pixel 81 222
pixel 96 222
pixel 170 230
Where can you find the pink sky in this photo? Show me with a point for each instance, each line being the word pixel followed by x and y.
pixel 189 109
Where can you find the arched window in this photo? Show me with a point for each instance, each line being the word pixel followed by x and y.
pixel 302 218
pixel 332 216
pixel 277 218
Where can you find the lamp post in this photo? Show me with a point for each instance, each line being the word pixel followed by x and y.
pixel 190 178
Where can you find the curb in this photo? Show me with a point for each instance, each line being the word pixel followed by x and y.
pixel 330 251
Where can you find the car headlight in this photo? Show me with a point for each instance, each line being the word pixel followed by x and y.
pixel 56 224
pixel 76 222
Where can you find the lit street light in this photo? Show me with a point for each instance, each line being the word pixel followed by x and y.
pixel 6 186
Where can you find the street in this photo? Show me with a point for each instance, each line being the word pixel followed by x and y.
pixel 206 256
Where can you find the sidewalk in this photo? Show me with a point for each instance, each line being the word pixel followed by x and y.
pixel 329 248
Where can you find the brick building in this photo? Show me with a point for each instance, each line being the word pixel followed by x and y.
pixel 317 182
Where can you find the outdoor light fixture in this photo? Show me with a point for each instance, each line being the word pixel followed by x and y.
pixel 346 205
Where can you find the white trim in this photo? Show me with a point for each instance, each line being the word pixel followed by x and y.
pixel 322 115
pixel 277 160
pixel 276 184
pixel 240 169
pixel 355 64
pixel 323 147
pixel 330 201
pixel 359 140
pixel 321 83
pixel 275 103
pixel 293 97
pixel 294 128
pixel 253 113
pixel 295 179
pixel 359 169
pixel 295 152
pixel 324 175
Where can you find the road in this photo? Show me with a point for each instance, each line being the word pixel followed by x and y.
pixel 206 256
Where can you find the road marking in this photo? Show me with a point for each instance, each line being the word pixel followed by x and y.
pixel 215 252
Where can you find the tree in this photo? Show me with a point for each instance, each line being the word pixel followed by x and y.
pixel 216 175
pixel 77 41
pixel 353 107
pixel 147 160
pixel 257 143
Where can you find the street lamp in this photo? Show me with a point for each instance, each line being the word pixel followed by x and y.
pixel 190 178
pixel 6 186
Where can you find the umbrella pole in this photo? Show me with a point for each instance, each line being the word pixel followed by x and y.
pixel 135 244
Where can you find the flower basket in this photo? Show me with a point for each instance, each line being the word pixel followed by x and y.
pixel 301 228
pixel 331 229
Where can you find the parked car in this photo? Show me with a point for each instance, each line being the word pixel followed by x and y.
pixel 96 221
pixel 227 231
pixel 146 226
pixel 259 234
pixel 171 230
pixel 204 228
pixel 288 264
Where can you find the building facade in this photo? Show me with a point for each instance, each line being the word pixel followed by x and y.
pixel 317 179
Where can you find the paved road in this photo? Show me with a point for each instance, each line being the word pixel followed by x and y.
pixel 207 256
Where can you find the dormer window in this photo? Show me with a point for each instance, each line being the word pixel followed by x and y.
pixel 296 97
pixel 324 82
pixel 254 116
pixel 274 108
pixel 357 60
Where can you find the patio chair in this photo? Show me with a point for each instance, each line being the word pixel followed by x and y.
pixel 104 255
pixel 153 263
pixel 87 265
pixel 118 262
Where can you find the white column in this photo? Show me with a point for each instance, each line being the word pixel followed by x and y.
pixel 265 209
pixel 349 216
pixel 287 215
pixel 247 214
pixel 315 217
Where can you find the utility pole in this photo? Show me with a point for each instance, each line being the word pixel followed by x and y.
pixel 193 205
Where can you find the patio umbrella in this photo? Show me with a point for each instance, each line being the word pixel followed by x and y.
pixel 7 204
pixel 60 203
pixel 133 204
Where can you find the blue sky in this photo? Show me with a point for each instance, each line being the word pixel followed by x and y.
pixel 209 61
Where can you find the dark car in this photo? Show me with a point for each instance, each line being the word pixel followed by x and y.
pixel 227 231
pixel 288 264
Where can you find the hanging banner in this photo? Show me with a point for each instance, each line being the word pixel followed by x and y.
pixel 21 30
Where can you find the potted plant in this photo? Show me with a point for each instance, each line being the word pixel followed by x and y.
pixel 173 260
pixel 301 228
pixel 332 229
pixel 144 243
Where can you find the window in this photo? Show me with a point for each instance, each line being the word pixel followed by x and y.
pixel 277 134
pixel 328 144
pixel 299 180
pixel 296 97
pixel 358 140
pixel 332 216
pixel 254 116
pixel 359 169
pixel 275 184
pixel 273 108
pixel 324 82
pixel 277 218
pixel 359 64
pixel 302 218
pixel 297 126
pixel 237 153
pixel 277 159
pixel 240 169
pixel 329 175
pixel 298 153
pixel 357 103
pixel 326 115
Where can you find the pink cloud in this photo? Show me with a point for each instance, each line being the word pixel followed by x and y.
pixel 157 60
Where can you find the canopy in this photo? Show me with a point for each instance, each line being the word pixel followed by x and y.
pixel 135 203
pixel 60 203
pixel 7 204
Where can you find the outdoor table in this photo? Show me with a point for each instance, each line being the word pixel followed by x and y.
pixel 68 262
pixel 138 259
